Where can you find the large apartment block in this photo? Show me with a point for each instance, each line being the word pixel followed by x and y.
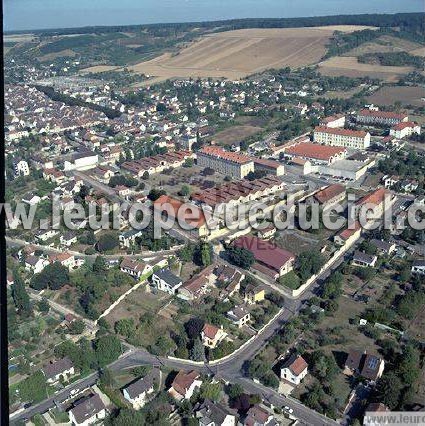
pixel 386 118
pixel 355 139
pixel 228 163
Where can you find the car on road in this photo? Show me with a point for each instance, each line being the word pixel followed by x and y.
pixel 288 409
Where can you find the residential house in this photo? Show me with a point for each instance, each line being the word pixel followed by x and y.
pixel 88 411
pixel 35 264
pixel 211 413
pixel 31 199
pixel 333 121
pixel 45 234
pixel 239 315
pixel 269 258
pixel 383 247
pixel 329 196
pixel 128 238
pixel 191 219
pixel 404 129
pixel 259 416
pixel 418 267
pixel 185 384
pixel 68 238
pixel 197 286
pixel 21 168
pixel 211 335
pixel 294 369
pixel 365 365
pixel 137 393
pixel 230 279
pixel 253 294
pixel 165 280
pixel 267 232
pixel 348 236
pixel 57 370
pixel 364 260
pixel 134 268
pixel 65 259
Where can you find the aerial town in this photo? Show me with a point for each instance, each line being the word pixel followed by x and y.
pixel 222 316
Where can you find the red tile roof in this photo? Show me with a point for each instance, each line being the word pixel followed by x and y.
pixel 225 155
pixel 298 365
pixel 192 215
pixel 265 252
pixel 404 124
pixel 347 233
pixel 329 193
pixel 314 150
pixel 210 331
pixel 382 114
pixel 341 132
pixel 376 197
pixel 183 381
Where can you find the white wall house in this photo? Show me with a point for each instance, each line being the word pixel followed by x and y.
pixel 294 369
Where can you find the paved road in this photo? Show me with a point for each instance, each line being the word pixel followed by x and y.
pixel 231 369
pixel 14 242
pixel 88 180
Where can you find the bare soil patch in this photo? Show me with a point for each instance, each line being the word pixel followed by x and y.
pixel 349 66
pixel 99 68
pixel 61 54
pixel 236 54
pixel 235 134
pixel 405 94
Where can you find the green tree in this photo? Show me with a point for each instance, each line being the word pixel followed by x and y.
pixel 107 349
pixel 43 306
pixel 53 276
pixel 125 327
pixel 20 295
pixel 235 391
pixel 99 265
pixel 240 257
pixel 211 391
pixel 388 390
pixel 128 417
pixel 197 353
pixel 107 242
pixel 77 327
pixel 154 194
pixel 184 191
pixel 106 377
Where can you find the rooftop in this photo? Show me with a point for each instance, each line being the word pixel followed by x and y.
pixel 340 132
pixel 314 150
pixel 265 252
pixel 225 155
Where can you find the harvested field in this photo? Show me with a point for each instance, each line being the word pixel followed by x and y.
pixel 236 54
pixel 418 52
pixel 61 54
pixel 385 44
pixel 349 66
pixel 99 68
pixel 405 94
pixel 235 134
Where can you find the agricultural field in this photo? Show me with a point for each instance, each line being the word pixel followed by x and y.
pixel 235 134
pixel 407 95
pixel 349 66
pixel 386 43
pixel 236 54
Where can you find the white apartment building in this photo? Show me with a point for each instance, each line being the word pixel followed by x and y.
pixel 228 163
pixel 354 139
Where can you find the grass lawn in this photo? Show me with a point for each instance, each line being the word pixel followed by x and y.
pixel 59 416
